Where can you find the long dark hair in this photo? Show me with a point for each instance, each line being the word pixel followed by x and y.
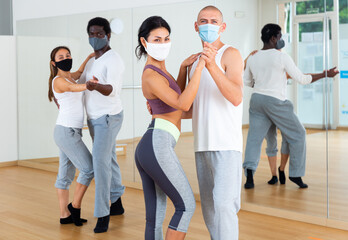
pixel 54 70
pixel 146 27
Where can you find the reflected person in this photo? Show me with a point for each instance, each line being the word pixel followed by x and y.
pixel 271 152
pixel 266 72
pixel 271 149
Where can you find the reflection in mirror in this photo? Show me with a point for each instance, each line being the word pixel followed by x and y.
pixel 304 42
pixel 337 138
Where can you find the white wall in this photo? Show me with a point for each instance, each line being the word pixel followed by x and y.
pixel 36 124
pixel 8 100
pixel 24 9
pixel 268 14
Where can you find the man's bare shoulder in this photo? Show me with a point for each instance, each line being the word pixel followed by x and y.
pixel 231 57
pixel 231 52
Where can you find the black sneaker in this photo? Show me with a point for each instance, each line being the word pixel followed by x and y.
pixel 75 214
pixel 116 208
pixel 298 181
pixel 273 180
pixel 282 178
pixel 102 224
pixel 250 180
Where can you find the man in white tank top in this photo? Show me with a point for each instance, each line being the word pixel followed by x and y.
pixel 103 76
pixel 217 127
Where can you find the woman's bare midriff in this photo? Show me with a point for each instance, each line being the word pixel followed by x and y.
pixel 173 117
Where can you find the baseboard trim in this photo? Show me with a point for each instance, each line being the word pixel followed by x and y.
pixel 8 164
pixel 40 164
pixel 295 216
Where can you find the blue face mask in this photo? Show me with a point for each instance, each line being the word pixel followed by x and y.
pixel 98 43
pixel 209 32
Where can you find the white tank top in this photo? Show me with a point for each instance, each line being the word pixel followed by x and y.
pixel 216 123
pixel 71 112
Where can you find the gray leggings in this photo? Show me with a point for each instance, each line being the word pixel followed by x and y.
pixel 162 175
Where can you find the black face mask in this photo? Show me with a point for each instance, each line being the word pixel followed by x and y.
pixel 64 65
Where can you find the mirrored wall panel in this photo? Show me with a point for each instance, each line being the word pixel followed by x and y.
pixel 316 37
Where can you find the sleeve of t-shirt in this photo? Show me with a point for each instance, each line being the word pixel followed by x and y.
pixel 114 74
pixel 294 72
pixel 248 76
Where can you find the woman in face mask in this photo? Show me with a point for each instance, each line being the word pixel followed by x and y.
pixel 73 153
pixel 158 165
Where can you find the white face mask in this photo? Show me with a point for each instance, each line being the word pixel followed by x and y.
pixel 158 51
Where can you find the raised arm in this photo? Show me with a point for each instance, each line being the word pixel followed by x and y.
pixel 61 85
pixel 330 73
pixel 155 85
pixel 296 74
pixel 76 75
pixel 181 80
pixel 229 83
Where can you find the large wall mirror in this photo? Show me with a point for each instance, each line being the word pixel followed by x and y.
pixel 316 35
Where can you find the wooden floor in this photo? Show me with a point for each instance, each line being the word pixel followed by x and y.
pixel 311 201
pixel 29 211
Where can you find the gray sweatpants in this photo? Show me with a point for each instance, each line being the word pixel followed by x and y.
pixel 263 112
pixel 108 182
pixel 271 138
pixel 219 176
pixel 73 154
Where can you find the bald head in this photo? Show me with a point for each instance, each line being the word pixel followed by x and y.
pixel 211 10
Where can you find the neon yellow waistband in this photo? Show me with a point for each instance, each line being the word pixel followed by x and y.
pixel 167 126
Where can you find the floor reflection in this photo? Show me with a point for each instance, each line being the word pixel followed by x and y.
pixel 312 201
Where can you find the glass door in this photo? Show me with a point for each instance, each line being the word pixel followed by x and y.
pixel 314 48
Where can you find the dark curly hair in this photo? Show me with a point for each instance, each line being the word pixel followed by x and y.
pixel 99 21
pixel 268 31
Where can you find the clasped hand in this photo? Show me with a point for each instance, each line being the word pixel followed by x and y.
pixel 208 54
pixel 92 84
